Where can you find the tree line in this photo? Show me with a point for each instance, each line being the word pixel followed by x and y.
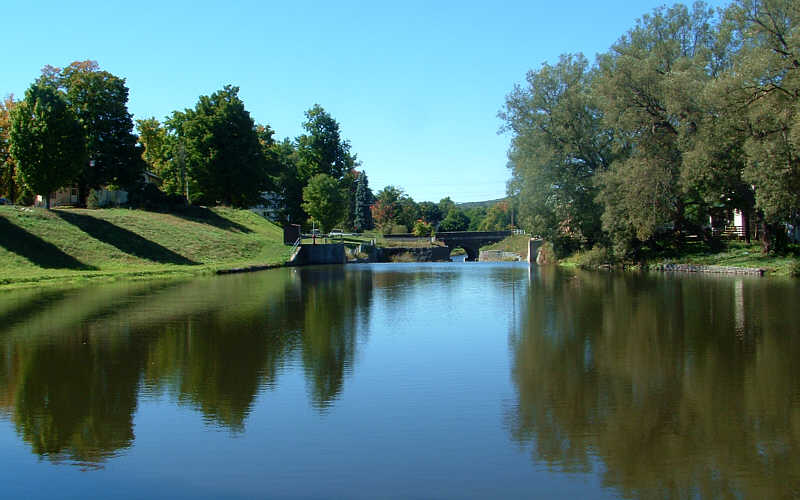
pixel 73 128
pixel 693 113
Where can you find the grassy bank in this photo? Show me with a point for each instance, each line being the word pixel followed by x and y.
pixel 38 246
pixel 734 253
pixel 517 243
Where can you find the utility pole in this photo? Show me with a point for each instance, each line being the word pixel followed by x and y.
pixel 182 166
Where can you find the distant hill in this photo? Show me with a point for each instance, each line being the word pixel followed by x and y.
pixel 474 204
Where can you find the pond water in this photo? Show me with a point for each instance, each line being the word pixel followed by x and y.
pixel 436 380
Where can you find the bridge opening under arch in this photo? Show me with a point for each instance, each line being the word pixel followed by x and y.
pixel 471 241
pixel 471 252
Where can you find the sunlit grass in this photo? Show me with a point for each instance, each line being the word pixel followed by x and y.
pixel 38 246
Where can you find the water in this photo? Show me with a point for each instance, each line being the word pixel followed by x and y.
pixel 433 380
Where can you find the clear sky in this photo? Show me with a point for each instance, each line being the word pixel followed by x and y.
pixel 415 85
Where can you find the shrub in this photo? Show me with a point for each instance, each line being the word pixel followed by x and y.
pixel 795 268
pixel 149 197
pixel 597 256
pixel 422 228
pixel 93 200
pixel 398 229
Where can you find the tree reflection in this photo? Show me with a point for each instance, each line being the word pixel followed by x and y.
pixel 682 387
pixel 333 299
pixel 77 399
pixel 71 376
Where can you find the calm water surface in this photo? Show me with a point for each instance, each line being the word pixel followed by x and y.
pixel 436 380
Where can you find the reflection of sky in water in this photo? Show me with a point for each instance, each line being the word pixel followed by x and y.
pixel 422 380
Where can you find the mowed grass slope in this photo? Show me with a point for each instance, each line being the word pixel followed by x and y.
pixel 38 245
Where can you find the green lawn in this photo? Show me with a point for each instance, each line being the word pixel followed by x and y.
pixel 517 243
pixel 39 246
pixel 738 254
pixel 734 253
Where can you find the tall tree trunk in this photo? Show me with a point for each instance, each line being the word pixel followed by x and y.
pixel 746 225
pixel 47 201
pixel 764 234
pixel 83 194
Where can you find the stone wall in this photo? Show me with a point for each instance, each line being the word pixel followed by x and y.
pixel 691 268
pixel 308 255
pixel 498 256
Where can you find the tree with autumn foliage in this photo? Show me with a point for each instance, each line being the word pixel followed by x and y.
pixel 9 183
pixel 383 212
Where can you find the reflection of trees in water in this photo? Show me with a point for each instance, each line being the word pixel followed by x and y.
pixel 70 378
pixel 76 399
pixel 332 300
pixel 677 389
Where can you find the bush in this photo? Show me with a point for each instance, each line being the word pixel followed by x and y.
pixel 547 253
pixel 597 256
pixel 93 200
pixel 149 197
pixel 397 229
pixel 795 268
pixel 422 228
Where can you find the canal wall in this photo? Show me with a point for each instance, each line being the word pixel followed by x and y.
pixel 308 255
pixel 691 268
pixel 498 256
pixel 412 254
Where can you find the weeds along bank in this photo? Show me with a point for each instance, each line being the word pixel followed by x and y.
pixel 39 246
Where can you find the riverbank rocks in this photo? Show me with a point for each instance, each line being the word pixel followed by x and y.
pixel 692 268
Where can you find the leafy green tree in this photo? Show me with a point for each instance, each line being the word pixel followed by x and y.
pixel 559 144
pixel 649 85
pixel 763 94
pixel 324 201
pixel 456 220
pixel 287 181
pixel 430 212
pixel 422 228
pixel 407 211
pixel 158 153
pixel 321 150
pixel 46 140
pixel 445 205
pixel 475 215
pixel 363 214
pixel 498 218
pixel 99 100
pixel 223 153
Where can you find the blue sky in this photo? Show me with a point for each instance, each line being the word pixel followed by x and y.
pixel 415 86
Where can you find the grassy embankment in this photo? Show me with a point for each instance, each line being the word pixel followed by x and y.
pixel 517 243
pixel 38 246
pixel 733 253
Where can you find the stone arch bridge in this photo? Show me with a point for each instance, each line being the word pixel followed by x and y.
pixel 471 241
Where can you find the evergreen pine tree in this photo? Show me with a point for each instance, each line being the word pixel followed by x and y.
pixel 363 215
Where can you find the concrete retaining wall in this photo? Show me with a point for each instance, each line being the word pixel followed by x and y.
pixel 429 254
pixel 498 256
pixel 308 255
pixel 424 254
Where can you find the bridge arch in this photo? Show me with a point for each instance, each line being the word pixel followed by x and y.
pixel 472 252
pixel 471 241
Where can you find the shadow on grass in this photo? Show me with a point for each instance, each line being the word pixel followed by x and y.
pixel 124 240
pixel 41 253
pixel 204 215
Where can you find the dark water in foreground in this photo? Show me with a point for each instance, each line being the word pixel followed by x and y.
pixel 403 380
